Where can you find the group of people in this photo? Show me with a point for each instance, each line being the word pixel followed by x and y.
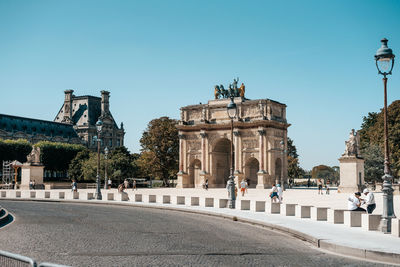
pixel 125 185
pixel 276 193
pixel 354 202
pixel 320 185
pixel 243 187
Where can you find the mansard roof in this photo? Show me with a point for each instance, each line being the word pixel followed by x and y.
pixel 31 126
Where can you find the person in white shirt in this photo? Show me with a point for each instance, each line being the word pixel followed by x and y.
pixel 354 203
pixel 369 200
pixel 280 193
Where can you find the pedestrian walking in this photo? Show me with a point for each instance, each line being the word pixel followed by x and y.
pixel 33 184
pixel 280 193
pixel 228 187
pixel 121 188
pixel 354 203
pixel 206 184
pixel 369 200
pixel 274 193
pixel 134 185
pixel 109 182
pixel 243 186
pixel 327 186
pixel 319 184
pixel 74 186
pixel 30 185
pixel 308 183
pixel 126 184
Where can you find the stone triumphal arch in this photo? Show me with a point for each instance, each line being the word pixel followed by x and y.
pixel 259 143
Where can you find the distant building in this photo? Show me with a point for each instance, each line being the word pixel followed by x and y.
pixel 75 123
pixel 83 112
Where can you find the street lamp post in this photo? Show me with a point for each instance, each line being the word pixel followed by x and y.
pixel 232 112
pixel 99 126
pixel 105 168
pixel 384 60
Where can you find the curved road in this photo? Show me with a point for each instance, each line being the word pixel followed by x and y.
pixel 101 235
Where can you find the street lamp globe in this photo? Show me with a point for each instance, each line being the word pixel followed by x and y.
pixel 232 110
pixel 384 58
pixel 99 125
pixel 106 150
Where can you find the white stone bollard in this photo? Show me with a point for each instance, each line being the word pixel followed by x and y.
pixel 244 204
pixel 89 196
pixel 209 202
pixel 335 216
pixel 61 195
pixel 396 227
pixel 25 194
pixel 166 199
pixel 138 197
pixel 288 209
pixel 352 218
pixel 46 194
pixel 180 200
pixel 319 213
pixel 259 206
pixel 75 195
pixel 223 203
pixel 303 211
pixel 194 201
pixel 370 222
pixel 32 194
pixel 152 198
pixel 273 208
pixel 110 196
pixel 123 196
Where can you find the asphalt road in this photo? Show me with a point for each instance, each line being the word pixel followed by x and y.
pixel 103 235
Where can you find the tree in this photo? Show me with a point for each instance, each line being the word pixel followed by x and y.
pixel 371 133
pixel 373 165
pixel 75 167
pixel 294 169
pixel 119 165
pixel 14 150
pixel 160 149
pixel 323 171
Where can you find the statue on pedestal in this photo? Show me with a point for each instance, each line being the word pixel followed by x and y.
pixel 352 145
pixel 232 91
pixel 34 157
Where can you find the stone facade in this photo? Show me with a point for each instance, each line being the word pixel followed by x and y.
pixel 75 123
pixel 205 143
pixel 82 112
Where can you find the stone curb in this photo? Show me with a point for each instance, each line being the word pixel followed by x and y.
pixel 380 256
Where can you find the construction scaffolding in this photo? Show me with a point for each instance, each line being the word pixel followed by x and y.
pixel 7 174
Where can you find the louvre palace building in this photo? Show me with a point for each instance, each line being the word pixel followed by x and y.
pixel 75 123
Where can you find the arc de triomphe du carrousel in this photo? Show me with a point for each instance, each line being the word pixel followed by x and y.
pixel 259 141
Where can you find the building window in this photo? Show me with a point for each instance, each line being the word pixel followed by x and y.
pixel 110 142
pixel 118 142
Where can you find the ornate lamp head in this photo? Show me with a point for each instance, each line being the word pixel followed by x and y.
pixel 384 58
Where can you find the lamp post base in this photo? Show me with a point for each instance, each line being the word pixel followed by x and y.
pixel 98 191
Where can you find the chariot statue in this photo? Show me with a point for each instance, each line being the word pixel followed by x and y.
pixel 232 91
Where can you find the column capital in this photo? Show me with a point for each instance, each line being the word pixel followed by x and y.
pixel 203 134
pixel 236 132
pixel 261 131
pixel 181 136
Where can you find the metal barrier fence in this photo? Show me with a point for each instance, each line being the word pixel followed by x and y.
pixel 8 259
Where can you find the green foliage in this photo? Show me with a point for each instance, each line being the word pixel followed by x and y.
pixel 373 163
pixel 75 167
pixel 371 134
pixel 294 170
pixel 14 150
pixel 160 149
pixel 57 156
pixel 121 164
pixel 323 171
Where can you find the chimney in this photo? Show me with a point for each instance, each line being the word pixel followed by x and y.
pixel 105 103
pixel 67 117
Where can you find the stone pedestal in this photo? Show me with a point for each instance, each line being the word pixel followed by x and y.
pixel 351 174
pixel 264 180
pixel 183 180
pixel 31 172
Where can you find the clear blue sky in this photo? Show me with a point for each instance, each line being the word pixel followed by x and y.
pixel 156 56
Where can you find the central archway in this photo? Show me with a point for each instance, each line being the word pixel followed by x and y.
pixel 250 172
pixel 221 162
